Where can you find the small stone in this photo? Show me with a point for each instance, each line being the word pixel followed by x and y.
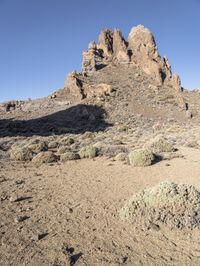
pixel 19 182
pixel 14 198
pixel 154 227
pixel 40 235
pixel 20 218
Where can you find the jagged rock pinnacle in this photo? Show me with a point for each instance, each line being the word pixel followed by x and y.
pixel 140 50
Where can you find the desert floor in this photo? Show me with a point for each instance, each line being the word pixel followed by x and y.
pixel 71 213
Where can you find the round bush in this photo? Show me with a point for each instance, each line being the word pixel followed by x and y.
pixel 68 156
pixel 141 158
pixel 20 153
pixel 88 152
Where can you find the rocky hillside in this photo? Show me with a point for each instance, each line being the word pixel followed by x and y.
pixel 128 78
pixel 121 81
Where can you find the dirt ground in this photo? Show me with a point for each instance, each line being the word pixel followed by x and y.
pixel 70 214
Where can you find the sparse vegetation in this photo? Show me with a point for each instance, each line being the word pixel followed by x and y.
pixel 167 203
pixel 160 144
pixel 67 140
pixel 68 156
pixel 88 152
pixel 20 153
pixel 141 157
pixel 122 128
pixel 122 156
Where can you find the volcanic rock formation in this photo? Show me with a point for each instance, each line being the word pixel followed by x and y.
pixel 114 63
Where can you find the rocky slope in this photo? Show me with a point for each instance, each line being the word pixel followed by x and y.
pixel 127 73
pixel 125 78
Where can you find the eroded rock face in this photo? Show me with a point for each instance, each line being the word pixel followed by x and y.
pixel 145 54
pixel 140 49
pixel 120 48
pixel 106 42
pixel 93 59
pixel 176 83
pixel 74 85
pixel 111 47
pixel 139 52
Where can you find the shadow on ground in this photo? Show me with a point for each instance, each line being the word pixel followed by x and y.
pixel 76 119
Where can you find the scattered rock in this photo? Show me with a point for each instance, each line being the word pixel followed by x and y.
pixel 20 218
pixel 40 236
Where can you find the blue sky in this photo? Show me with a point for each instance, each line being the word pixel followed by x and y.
pixel 42 40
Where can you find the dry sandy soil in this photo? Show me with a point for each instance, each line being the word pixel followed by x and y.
pixel 71 213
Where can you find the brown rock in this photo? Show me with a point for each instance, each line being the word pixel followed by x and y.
pixel 176 83
pixel 120 48
pixel 74 86
pixel 145 54
pixel 99 90
pixel 44 157
pixel 106 42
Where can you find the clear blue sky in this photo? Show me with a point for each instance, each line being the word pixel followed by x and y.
pixel 42 40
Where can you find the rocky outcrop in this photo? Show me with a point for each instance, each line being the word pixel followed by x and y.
pixel 139 53
pixel 120 51
pixel 176 83
pixel 93 59
pixel 106 42
pixel 145 54
pixel 140 50
pixel 111 47
pixel 11 105
pixel 73 85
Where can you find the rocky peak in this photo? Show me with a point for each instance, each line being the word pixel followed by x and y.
pixel 106 42
pixel 145 54
pixel 142 43
pixel 140 50
pixel 120 51
pixel 113 53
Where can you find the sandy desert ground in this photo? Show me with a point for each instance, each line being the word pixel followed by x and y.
pixel 70 213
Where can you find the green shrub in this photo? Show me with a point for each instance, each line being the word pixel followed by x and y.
pixel 160 144
pixel 67 141
pixel 88 152
pixel 122 128
pixel 121 156
pixel 20 153
pixel 167 203
pixel 68 156
pixel 37 146
pixel 141 158
pixel 88 135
